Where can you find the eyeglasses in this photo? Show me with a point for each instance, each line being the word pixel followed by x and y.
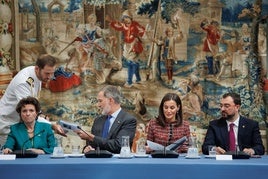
pixel 170 133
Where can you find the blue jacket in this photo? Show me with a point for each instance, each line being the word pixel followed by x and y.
pixel 18 138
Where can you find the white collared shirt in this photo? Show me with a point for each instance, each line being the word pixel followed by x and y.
pixel 114 116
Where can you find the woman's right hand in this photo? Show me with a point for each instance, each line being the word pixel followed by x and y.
pixel 7 151
pixel 148 149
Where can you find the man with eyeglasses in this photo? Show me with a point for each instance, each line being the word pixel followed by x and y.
pixel 233 132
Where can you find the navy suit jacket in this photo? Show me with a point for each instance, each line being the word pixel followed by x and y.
pixel 248 135
pixel 124 125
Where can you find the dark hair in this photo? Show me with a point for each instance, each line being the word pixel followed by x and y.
pixel 235 96
pixel 44 60
pixel 112 92
pixel 161 117
pixel 28 100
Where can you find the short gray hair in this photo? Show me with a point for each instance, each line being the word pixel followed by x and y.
pixel 112 92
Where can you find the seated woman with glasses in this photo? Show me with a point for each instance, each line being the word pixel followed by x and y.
pixel 169 125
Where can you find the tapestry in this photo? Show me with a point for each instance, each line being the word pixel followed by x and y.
pixel 199 49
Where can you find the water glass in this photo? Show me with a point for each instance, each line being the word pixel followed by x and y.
pixel 141 150
pixel 58 152
pixel 75 149
pixel 125 148
pixel 212 150
pixel 192 152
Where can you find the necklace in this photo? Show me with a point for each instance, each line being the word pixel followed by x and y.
pixel 30 131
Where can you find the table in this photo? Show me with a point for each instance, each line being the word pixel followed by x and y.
pixel 137 168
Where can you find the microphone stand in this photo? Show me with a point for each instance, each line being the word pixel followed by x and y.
pixel 165 151
pixel 98 152
pixel 31 138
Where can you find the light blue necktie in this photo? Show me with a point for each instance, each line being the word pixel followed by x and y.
pixel 106 126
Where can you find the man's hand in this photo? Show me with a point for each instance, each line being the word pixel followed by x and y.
pixel 84 136
pixel 58 129
pixel 249 151
pixel 220 150
pixel 87 149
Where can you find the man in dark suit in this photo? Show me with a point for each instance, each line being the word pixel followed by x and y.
pixel 246 131
pixel 120 123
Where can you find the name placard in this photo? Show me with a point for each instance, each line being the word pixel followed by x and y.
pixel 224 157
pixel 7 157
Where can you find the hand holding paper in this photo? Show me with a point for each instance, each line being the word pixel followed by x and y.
pixel 69 127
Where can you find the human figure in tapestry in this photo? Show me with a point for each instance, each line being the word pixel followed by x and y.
pixel 133 32
pixel 211 46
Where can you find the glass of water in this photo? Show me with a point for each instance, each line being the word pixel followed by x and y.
pixel 58 152
pixel 125 148
pixel 212 150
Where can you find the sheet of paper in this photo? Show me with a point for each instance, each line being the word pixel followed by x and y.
pixel 224 157
pixel 155 146
pixel 7 157
pixel 69 127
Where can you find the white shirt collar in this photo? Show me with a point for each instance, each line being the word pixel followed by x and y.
pixel 236 122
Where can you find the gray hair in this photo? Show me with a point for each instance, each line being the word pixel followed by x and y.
pixel 112 92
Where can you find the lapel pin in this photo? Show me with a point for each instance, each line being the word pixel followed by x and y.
pixel 243 126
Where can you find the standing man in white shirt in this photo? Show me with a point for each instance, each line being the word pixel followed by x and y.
pixel 27 82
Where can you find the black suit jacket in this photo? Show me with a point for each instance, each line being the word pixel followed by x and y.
pixel 124 125
pixel 248 135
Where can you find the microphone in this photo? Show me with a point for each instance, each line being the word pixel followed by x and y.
pixel 96 153
pixel 78 127
pixel 175 145
pixel 237 154
pixel 27 154
pixel 31 138
pixel 169 151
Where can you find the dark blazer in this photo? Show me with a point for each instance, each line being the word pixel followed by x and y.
pixel 124 125
pixel 248 135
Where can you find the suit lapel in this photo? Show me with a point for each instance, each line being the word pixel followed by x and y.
pixel 224 132
pixel 117 123
pixel 241 129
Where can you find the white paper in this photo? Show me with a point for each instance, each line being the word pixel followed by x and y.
pixel 173 146
pixel 69 127
pixel 8 157
pixel 155 146
pixel 224 157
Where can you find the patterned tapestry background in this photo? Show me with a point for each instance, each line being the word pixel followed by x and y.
pixel 90 53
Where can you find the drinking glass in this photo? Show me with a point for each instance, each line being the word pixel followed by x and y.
pixel 58 152
pixel 212 150
pixel 192 152
pixel 125 148
pixel 75 149
pixel 141 150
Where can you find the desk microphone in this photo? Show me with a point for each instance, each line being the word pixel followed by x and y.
pixel 78 127
pixel 169 151
pixel 27 154
pixel 96 153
